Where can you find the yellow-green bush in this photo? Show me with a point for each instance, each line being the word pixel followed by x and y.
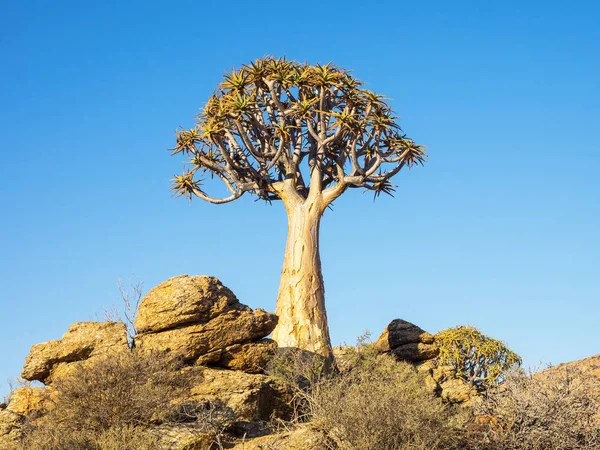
pixel 479 360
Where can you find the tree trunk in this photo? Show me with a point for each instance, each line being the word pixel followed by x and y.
pixel 301 300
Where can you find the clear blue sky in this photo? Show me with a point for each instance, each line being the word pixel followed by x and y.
pixel 498 230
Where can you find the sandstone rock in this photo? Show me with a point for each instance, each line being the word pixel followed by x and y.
pixel 456 391
pixel 415 352
pixel 183 300
pixel 443 373
pixel 344 356
pixel 400 332
pixel 302 438
pixel 587 367
pixel 252 397
pixel 82 340
pixel 183 437
pixel 27 400
pixel 234 327
pixel 252 357
pixel 10 429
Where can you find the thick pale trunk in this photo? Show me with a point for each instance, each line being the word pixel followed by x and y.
pixel 301 301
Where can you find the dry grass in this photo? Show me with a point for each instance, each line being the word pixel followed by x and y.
pixel 528 412
pixel 110 403
pixel 375 403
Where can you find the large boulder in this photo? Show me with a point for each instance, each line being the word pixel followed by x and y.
pixel 81 341
pixel 251 397
pixel 407 342
pixel 183 300
pixel 238 326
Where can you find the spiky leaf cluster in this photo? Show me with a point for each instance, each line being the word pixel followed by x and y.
pixel 275 120
pixel 479 360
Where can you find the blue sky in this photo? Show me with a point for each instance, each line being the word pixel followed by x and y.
pixel 499 229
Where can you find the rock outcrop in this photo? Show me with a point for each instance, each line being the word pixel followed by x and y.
pixel 10 429
pixel 212 328
pixel 408 342
pixel 251 397
pixel 196 319
pixel 28 400
pixel 589 367
pixel 301 438
pixel 83 340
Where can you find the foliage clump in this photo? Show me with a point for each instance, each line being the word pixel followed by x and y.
pixel 313 125
pixel 479 360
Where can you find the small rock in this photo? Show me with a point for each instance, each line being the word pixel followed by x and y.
pixel 302 438
pixel 456 391
pixel 183 437
pixel 443 373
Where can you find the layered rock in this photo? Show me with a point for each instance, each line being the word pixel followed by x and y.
pixel 183 300
pixel 251 397
pixel 407 342
pixel 28 400
pixel 251 357
pixel 82 341
pixel 201 321
pixel 10 429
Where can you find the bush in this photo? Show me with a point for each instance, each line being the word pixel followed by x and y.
pixel 558 411
pixel 111 402
pixel 478 359
pixel 374 403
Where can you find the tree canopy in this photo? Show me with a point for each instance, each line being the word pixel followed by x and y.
pixel 275 120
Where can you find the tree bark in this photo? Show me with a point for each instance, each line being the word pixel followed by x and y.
pixel 301 300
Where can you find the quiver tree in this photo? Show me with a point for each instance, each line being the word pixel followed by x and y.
pixel 303 134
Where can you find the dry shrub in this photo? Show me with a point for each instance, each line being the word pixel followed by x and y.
pixel 61 437
pixel 123 388
pixel 111 402
pixel 374 403
pixel 557 411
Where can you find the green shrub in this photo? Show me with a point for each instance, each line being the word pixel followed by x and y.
pixel 478 359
